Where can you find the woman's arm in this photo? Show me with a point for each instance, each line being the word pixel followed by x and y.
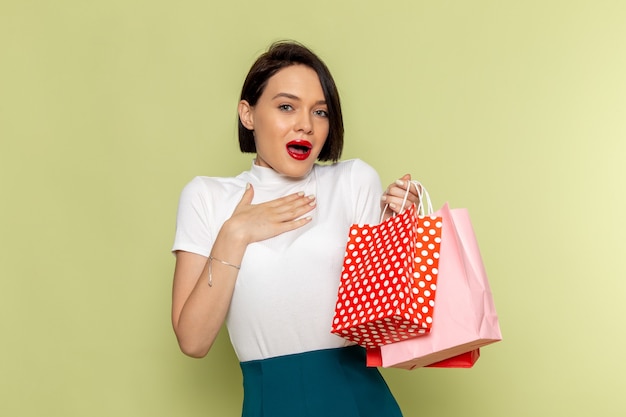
pixel 199 310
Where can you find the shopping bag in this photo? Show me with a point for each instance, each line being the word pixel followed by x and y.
pixel 389 277
pixel 464 360
pixel 465 318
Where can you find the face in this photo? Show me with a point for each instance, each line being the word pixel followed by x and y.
pixel 290 121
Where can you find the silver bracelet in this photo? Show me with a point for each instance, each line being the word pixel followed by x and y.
pixel 211 259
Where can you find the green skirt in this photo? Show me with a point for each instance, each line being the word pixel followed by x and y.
pixel 322 383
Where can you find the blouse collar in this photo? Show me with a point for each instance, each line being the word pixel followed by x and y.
pixel 267 176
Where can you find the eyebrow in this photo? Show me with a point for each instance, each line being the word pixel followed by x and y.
pixel 294 97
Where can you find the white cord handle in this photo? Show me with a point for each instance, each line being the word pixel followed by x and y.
pixel 424 197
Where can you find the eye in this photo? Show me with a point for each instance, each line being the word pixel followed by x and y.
pixel 321 113
pixel 285 107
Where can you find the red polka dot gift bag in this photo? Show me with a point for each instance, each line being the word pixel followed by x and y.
pixel 389 277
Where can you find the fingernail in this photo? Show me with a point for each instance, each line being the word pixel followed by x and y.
pixel 311 197
pixel 383 198
pixel 247 186
pixel 399 182
pixel 301 193
pixel 393 206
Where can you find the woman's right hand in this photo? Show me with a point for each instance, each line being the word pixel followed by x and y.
pixel 255 222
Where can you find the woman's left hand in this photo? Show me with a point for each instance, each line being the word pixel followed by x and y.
pixel 394 195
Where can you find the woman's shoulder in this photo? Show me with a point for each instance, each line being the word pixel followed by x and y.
pixel 348 165
pixel 350 169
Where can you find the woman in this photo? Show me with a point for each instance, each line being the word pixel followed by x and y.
pixel 263 251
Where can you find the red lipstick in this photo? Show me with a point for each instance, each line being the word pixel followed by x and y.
pixel 299 149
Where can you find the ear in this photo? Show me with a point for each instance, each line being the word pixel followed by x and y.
pixel 246 115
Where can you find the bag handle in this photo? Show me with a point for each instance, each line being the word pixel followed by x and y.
pixel 424 197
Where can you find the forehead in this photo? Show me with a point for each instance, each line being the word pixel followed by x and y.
pixel 296 79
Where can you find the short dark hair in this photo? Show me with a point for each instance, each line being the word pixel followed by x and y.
pixel 280 55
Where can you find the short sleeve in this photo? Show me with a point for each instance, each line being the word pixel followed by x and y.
pixel 193 233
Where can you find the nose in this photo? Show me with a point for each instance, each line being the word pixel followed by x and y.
pixel 304 123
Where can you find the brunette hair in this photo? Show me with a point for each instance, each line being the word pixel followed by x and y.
pixel 280 55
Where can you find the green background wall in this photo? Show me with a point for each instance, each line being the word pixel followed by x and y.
pixel 515 110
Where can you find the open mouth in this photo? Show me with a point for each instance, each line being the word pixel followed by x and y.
pixel 299 149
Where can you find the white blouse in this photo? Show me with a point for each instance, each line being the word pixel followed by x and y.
pixel 286 290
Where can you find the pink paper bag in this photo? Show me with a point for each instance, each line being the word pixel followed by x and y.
pixel 464 317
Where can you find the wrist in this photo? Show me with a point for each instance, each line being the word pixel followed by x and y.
pixel 235 234
pixel 223 262
pixel 232 238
